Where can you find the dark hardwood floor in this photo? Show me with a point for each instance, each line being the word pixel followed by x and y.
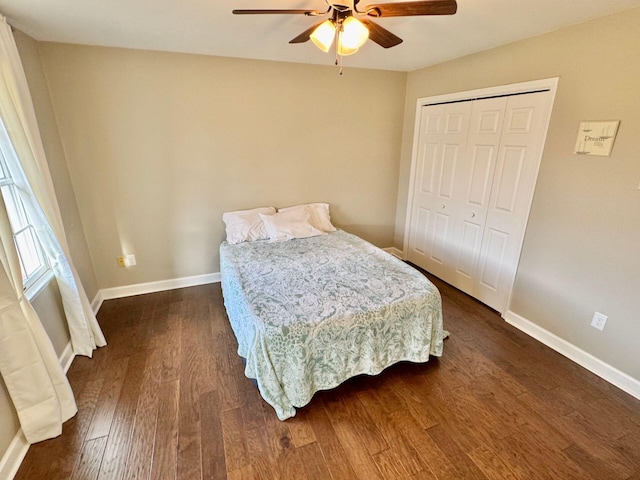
pixel 167 399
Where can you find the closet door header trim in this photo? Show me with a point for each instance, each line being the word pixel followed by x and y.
pixel 547 84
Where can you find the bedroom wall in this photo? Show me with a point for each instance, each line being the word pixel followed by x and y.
pixel 159 145
pixel 580 252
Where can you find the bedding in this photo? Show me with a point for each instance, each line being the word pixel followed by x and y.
pixel 289 225
pixel 310 313
pixel 246 225
pixel 319 212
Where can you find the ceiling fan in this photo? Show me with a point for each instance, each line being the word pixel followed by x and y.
pixel 349 32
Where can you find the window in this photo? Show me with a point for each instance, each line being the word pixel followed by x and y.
pixel 33 262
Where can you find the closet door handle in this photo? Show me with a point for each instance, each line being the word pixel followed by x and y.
pixel 443 205
pixel 473 214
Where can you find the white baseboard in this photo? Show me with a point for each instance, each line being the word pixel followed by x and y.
pixel 151 287
pixel 66 358
pixel 97 302
pixel 12 458
pixel 605 371
pixel 396 252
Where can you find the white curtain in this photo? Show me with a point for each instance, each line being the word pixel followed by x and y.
pixel 38 388
pixel 36 383
pixel 33 179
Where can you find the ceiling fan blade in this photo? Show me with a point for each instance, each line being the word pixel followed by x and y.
pixel 304 36
pixel 259 12
pixel 407 9
pixel 381 36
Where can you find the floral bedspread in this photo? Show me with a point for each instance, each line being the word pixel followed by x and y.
pixel 311 313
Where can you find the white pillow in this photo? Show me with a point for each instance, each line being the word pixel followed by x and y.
pixel 319 212
pixel 246 225
pixel 288 225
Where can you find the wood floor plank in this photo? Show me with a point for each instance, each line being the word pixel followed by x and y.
pixel 464 466
pixel 400 450
pixel 262 459
pixel 437 463
pixel 252 405
pixel 138 464
pixel 108 400
pixel 227 372
pixel 213 459
pixel 193 383
pixel 390 465
pixel 90 459
pixel 165 449
pixel 351 419
pixel 590 464
pixel 284 453
pixel 300 429
pixel 331 448
pixel 116 450
pixel 314 463
pixel 235 449
pixel 245 473
pixel 118 444
pixel 358 435
pixel 493 467
pixel 167 398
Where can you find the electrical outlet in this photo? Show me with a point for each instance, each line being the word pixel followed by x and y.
pixel 599 321
pixel 126 260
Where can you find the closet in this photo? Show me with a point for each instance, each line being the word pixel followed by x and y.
pixel 474 170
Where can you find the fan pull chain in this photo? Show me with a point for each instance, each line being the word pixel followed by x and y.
pixel 336 42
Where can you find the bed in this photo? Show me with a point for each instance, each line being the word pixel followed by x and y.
pixel 310 313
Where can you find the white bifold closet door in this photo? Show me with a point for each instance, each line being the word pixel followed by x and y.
pixel 476 168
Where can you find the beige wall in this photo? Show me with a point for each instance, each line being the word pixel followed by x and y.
pixel 581 250
pixel 159 145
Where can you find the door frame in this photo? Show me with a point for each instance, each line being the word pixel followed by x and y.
pixel 547 84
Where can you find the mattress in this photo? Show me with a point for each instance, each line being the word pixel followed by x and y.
pixel 310 313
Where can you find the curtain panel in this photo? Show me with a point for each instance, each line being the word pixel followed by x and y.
pixel 31 174
pixel 37 385
pixel 29 366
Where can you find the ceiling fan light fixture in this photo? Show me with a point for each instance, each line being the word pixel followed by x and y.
pixel 323 36
pixel 354 33
pixel 343 50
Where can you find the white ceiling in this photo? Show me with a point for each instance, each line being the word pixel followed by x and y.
pixel 208 27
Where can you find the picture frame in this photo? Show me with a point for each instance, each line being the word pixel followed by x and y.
pixel 596 137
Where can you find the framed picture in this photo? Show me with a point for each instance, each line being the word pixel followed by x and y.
pixel 596 137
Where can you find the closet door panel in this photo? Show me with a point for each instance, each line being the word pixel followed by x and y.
pixel 440 242
pixel 450 155
pixel 469 246
pixel 473 189
pixel 514 180
pixel 493 258
pixel 442 142
pixel 428 154
pixel 508 178
pixel 482 159
pixel 421 223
